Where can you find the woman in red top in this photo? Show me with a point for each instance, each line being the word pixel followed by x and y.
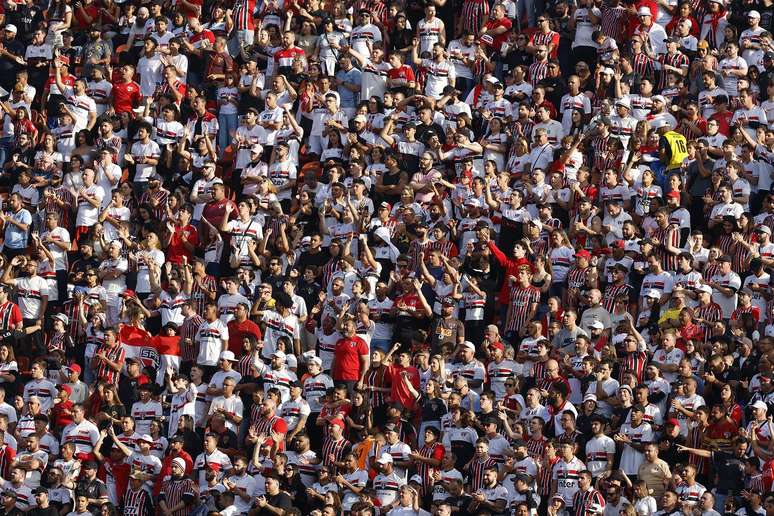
pixel 728 401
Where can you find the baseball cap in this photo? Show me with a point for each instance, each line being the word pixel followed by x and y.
pixel 385 458
pixel 590 397
pixel 597 324
pixel 66 388
pixel 338 422
pixel 227 355
pixel 11 28
pixel 256 149
pixel 703 44
pixel 653 293
pixel 644 11
pixel 469 345
pixel 75 368
pixel 704 288
pixel 279 354
pixel 61 317
pixel 760 405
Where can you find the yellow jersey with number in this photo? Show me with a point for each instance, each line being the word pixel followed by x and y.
pixel 678 146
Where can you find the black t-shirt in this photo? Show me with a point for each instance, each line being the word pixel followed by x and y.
pixel 281 501
pixel 227 439
pixel 94 489
pixel 730 472
pixel 48 511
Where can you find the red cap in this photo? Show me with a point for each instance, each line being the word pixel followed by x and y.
pixel 214 466
pixel 497 345
pixel 619 244
pixel 66 388
pixel 583 253
pixel 75 368
pixel 672 421
pixel 339 422
pixel 674 193
pixel 128 293
pixel 64 60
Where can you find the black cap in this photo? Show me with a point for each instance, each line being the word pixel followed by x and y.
pixel 40 490
pixel 521 476
pixel 638 408
pixel 519 443
pixel 177 438
pixel 90 464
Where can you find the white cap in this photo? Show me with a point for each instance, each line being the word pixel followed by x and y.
pixel 658 122
pixel 754 14
pixel 590 397
pixel 597 324
pixel 659 98
pixel 644 11
pixel 180 462
pixel 62 317
pixel 385 458
pixel 228 355
pixel 472 201
pixel 760 405
pixel 257 148
pixel 653 293
pixel 360 118
pixel 12 28
pixel 145 437
pixel 468 345
pixel 704 288
pixel 537 224
pixel 279 354
pixel 608 71
pixel 624 101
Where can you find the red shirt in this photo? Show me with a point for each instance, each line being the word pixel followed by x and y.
pixel 176 250
pixel 724 122
pixel 502 38
pixel 91 11
pixel 214 211
pixel 399 390
pixel 346 360
pixel 404 72
pixel 237 331
pixel 58 416
pixel 125 96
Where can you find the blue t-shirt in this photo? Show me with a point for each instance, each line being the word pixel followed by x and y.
pixel 16 238
pixel 348 98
